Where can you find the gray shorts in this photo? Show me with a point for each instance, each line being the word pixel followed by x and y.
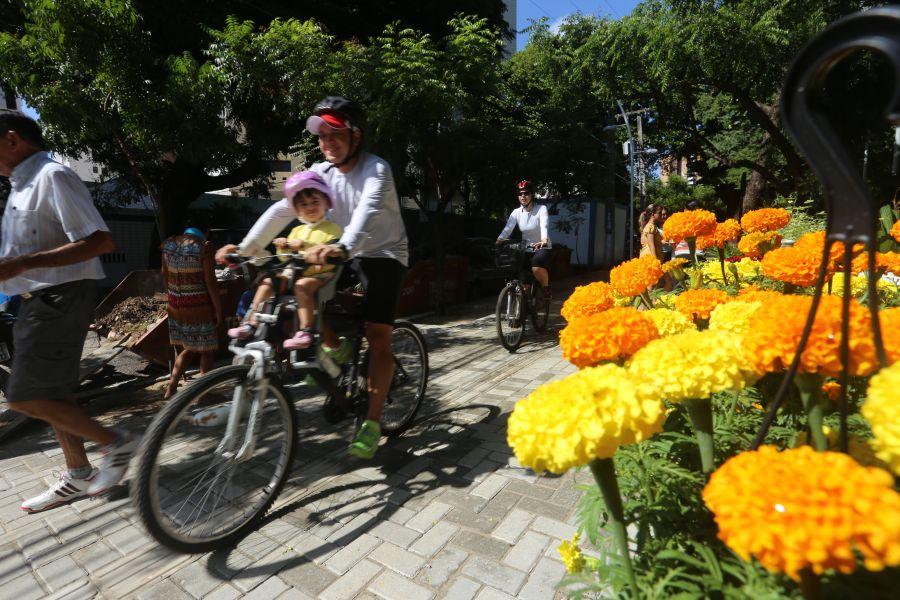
pixel 49 338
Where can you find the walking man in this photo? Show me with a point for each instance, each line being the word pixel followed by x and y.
pixel 52 236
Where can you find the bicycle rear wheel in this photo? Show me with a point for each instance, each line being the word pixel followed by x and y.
pixel 409 381
pixel 510 317
pixel 197 488
pixel 540 308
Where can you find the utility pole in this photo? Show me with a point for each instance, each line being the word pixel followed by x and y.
pixel 631 152
pixel 642 175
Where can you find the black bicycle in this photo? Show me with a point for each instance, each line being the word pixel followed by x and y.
pixel 217 455
pixel 521 298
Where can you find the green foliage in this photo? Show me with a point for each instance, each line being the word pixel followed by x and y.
pixel 677 193
pixel 804 218
pixel 675 549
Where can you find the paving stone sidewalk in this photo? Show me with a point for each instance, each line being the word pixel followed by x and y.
pixel 444 511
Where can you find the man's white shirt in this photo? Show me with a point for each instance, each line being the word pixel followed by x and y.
pixel 48 207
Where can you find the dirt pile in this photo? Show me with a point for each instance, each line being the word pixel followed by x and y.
pixel 134 316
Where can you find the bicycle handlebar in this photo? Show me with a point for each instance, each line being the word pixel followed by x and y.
pixel 286 259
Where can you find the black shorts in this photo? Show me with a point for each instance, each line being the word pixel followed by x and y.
pixel 382 279
pixel 541 258
pixel 48 338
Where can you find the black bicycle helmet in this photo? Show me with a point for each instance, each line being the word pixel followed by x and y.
pixel 339 112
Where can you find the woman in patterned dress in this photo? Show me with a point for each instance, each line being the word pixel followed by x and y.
pixel 195 308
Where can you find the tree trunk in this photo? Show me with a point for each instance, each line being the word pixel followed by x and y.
pixel 757 185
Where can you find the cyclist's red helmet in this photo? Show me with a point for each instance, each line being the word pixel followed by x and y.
pixel 525 186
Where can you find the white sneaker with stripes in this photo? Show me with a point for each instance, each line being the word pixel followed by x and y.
pixel 114 465
pixel 66 489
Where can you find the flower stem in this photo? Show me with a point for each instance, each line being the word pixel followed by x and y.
pixel 700 413
pixel 734 401
pixel 646 299
pixel 810 585
pixel 722 264
pixel 692 247
pixel 605 474
pixel 810 386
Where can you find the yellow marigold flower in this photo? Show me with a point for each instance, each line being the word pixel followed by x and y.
pixel 588 300
pixel 633 277
pixel 692 364
pixel 675 263
pixel 882 410
pixel 765 219
pixel 689 224
pixel 772 340
pixel 797 266
pixel 895 230
pixel 587 415
pixel 619 300
pixel 859 448
pixel 756 244
pixel 733 317
pixel 666 300
pixel 747 269
pixel 888 291
pixel 608 336
pixel 832 390
pixel 800 509
pixel 571 555
pixel 726 231
pixel 699 304
pixel 669 322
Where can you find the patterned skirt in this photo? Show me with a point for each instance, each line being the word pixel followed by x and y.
pixel 198 337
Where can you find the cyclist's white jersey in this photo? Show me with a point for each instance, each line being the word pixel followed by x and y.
pixel 533 224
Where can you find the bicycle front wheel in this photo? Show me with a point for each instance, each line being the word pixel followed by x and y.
pixel 510 317
pixel 540 309
pixel 214 459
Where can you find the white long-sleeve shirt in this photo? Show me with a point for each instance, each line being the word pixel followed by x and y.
pixel 533 224
pixel 366 206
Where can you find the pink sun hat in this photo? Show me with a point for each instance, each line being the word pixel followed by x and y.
pixel 307 180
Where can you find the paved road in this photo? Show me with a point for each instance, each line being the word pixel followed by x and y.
pixel 444 511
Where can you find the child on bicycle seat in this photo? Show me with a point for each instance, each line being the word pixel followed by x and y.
pixel 311 198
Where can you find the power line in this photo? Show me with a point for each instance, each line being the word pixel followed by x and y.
pixel 578 8
pixel 614 11
pixel 541 8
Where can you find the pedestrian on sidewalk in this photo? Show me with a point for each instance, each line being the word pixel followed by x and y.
pixel 52 237
pixel 194 303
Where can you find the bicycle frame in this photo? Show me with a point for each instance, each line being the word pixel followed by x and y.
pixel 260 355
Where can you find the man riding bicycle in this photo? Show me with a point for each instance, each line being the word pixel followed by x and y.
pixel 366 206
pixel 532 220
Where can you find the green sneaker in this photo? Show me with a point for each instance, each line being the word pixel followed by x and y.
pixel 366 442
pixel 342 353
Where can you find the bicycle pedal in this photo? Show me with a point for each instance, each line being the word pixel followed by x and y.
pixel 332 413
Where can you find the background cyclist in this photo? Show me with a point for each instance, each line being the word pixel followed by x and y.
pixel 533 222
pixel 367 207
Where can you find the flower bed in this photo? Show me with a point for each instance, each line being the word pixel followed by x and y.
pixel 671 395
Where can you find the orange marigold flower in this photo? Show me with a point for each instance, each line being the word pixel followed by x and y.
pixel 771 343
pixel 884 262
pixel 608 336
pixel 756 244
pixel 895 230
pixel 633 277
pixel 726 231
pixel 801 509
pixel 832 390
pixel 698 304
pixel 797 266
pixel 689 224
pixel 588 300
pixel 889 322
pixel 814 242
pixel 755 294
pixel 765 219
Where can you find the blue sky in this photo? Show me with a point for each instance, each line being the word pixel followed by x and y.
pixel 557 10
